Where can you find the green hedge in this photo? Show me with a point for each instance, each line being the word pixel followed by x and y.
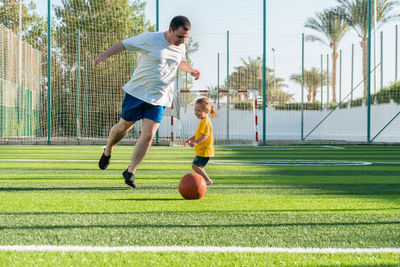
pixel 388 93
pixel 245 105
pixel 297 106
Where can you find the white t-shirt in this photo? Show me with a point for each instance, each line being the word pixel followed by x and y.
pixel 154 76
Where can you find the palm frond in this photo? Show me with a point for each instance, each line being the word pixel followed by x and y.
pixel 332 24
pixel 313 38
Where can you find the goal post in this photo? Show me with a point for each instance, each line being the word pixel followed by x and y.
pixel 236 124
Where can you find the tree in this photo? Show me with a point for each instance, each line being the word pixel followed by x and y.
pixel 312 81
pixel 332 25
pixel 33 26
pixel 90 27
pixel 357 17
pixel 248 76
pixel 191 48
pixel 186 99
pixel 100 24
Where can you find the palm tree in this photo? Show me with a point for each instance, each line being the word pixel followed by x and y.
pixel 276 94
pixel 312 81
pixel 357 17
pixel 332 25
pixel 248 76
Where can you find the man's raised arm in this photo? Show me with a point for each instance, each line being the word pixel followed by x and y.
pixel 187 68
pixel 115 49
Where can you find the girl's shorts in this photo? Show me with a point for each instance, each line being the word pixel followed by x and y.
pixel 200 161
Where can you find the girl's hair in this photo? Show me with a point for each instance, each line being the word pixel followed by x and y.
pixel 206 105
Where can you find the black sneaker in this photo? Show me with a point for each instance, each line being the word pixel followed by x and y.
pixel 129 178
pixel 104 161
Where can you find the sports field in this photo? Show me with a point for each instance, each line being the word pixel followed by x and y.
pixel 283 206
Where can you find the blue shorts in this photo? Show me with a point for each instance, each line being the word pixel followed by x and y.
pixel 134 109
pixel 200 161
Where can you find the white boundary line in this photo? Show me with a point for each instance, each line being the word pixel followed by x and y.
pixel 198 249
pixel 216 162
pixel 295 163
pixel 334 147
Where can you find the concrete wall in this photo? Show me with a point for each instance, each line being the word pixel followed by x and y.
pixel 346 124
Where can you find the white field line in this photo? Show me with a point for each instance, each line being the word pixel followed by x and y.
pixel 198 249
pixel 289 162
pixel 295 163
pixel 334 147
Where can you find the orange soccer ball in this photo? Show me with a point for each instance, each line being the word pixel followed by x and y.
pixel 192 186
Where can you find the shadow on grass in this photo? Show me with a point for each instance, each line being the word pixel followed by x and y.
pixel 376 190
pixel 363 265
pixel 144 199
pixel 77 178
pixel 33 189
pixel 267 211
pixel 314 188
pixel 244 225
pixel 60 180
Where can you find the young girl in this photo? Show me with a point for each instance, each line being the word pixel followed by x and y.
pixel 202 141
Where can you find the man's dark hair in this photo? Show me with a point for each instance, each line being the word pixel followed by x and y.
pixel 180 21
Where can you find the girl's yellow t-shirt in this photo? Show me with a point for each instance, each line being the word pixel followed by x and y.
pixel 205 148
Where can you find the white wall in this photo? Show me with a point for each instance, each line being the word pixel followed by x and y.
pixel 348 124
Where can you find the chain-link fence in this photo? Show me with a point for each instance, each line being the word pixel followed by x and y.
pixel 323 70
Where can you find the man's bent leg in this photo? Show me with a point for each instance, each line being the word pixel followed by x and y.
pixel 117 132
pixel 143 144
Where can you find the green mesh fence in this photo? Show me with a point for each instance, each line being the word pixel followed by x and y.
pixel 314 77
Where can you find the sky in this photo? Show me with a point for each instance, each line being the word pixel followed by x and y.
pixel 285 19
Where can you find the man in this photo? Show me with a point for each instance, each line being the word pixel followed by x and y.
pixel 150 89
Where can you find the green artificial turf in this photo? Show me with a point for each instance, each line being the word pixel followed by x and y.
pixel 300 196
pixel 194 259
